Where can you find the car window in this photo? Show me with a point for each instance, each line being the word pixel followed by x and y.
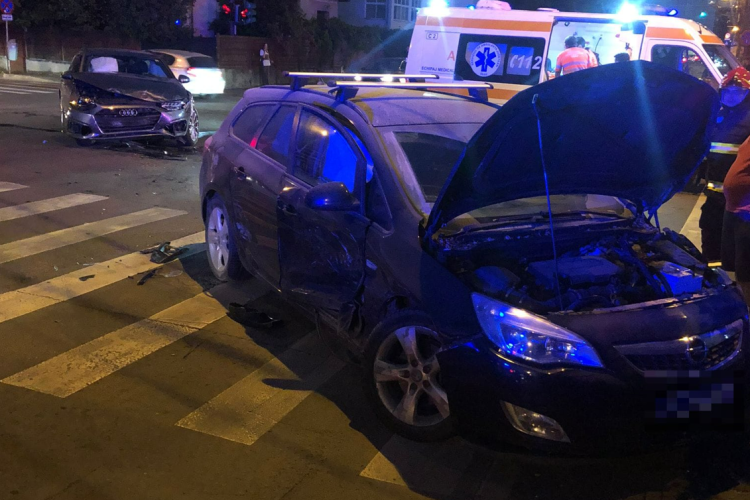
pixel 75 66
pixel 247 124
pixel 323 153
pixel 133 65
pixel 376 205
pixel 685 60
pixel 275 139
pixel 201 62
pixel 721 57
pixel 499 59
pixel 168 60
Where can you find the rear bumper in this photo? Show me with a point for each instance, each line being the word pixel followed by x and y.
pixel 89 125
pixel 211 87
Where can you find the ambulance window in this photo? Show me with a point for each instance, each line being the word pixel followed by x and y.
pixel 501 59
pixel 685 60
pixel 722 58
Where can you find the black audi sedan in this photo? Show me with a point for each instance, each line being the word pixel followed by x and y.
pixel 494 270
pixel 125 94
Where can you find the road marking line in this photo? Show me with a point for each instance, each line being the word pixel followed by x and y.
pixel 246 411
pixel 80 367
pixel 22 90
pixel 35 297
pixel 692 229
pixel 69 236
pixel 12 92
pixel 10 186
pixel 49 205
pixel 431 467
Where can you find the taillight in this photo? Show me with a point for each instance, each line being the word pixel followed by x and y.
pixel 207 144
pixel 191 72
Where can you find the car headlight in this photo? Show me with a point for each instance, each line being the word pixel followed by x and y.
pixel 522 335
pixel 83 103
pixel 174 105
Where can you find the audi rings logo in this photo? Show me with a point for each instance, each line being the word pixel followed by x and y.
pixel 696 351
pixel 128 112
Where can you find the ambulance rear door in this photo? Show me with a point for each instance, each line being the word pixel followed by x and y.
pixel 606 37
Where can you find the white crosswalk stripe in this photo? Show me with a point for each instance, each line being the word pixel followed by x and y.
pixel 27 90
pixel 57 239
pixel 50 205
pixel 10 186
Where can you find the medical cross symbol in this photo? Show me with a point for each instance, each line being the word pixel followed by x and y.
pixel 485 60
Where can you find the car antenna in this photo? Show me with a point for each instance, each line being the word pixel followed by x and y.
pixel 549 200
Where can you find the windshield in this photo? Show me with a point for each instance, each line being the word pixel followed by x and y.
pixel 132 65
pixel 425 156
pixel 722 58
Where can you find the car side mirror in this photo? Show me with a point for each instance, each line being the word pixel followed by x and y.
pixel 67 76
pixel 183 79
pixel 332 197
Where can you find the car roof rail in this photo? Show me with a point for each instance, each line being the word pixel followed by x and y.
pixel 300 77
pixel 346 90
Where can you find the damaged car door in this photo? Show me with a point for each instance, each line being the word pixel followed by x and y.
pixel 322 228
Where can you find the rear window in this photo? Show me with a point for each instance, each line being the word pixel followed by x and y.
pixel 201 62
pixel 168 60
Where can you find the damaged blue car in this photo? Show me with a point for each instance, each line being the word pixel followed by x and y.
pixel 496 270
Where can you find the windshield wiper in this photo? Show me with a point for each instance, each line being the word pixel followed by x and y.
pixel 536 219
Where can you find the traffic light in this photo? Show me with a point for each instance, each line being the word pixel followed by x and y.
pixel 246 13
pixel 226 9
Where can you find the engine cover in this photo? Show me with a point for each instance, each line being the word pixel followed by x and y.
pixel 577 271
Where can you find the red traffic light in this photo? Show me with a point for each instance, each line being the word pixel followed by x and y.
pixel 226 9
pixel 243 13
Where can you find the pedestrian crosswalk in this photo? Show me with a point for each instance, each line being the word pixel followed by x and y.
pixel 15 88
pixel 245 412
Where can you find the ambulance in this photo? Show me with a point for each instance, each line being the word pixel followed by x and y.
pixel 514 49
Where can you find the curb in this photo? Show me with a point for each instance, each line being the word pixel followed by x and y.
pixel 30 78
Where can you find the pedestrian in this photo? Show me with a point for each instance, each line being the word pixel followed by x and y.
pixel 572 59
pixel 593 61
pixel 732 129
pixel 735 243
pixel 266 62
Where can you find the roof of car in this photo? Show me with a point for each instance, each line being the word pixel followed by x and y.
pixel 387 107
pixel 117 52
pixel 179 53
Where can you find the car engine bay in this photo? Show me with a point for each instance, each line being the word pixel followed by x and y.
pixel 616 269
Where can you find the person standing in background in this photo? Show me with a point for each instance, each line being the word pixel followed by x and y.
pixel 265 59
pixel 593 61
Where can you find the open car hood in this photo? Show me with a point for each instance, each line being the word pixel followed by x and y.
pixel 636 131
pixel 138 87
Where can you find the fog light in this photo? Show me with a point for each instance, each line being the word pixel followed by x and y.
pixel 534 424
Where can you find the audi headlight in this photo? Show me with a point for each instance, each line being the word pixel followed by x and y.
pixel 525 336
pixel 174 105
pixel 83 103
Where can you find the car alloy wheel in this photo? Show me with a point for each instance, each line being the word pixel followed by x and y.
pixel 217 239
pixel 193 130
pixel 407 376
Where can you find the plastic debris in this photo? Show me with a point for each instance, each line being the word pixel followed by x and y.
pixel 164 252
pixel 172 274
pixel 86 278
pixel 248 316
pixel 146 277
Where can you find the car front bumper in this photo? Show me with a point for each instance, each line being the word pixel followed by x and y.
pixel 610 408
pixel 126 122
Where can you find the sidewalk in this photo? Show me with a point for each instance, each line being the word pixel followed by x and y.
pixel 37 78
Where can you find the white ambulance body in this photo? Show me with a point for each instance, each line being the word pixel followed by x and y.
pixel 514 49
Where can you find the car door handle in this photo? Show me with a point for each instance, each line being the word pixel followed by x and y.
pixel 241 175
pixel 287 208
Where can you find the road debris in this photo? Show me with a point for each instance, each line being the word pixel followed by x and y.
pixel 147 277
pixel 249 316
pixel 163 252
pixel 86 278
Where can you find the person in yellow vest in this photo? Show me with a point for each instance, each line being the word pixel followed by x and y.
pixel 265 59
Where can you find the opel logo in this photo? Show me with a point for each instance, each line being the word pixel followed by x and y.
pixel 696 351
pixel 128 112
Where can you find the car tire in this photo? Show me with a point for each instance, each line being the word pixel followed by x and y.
pixel 190 139
pixel 221 247
pixel 401 378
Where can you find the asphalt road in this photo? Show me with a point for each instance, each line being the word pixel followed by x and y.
pixel 110 390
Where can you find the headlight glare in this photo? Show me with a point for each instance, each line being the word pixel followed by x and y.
pixel 522 335
pixel 83 103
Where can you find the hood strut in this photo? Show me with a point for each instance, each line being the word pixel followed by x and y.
pixel 549 200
